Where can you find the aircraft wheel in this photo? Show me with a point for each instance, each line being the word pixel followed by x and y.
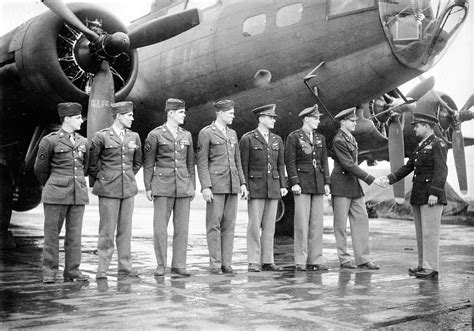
pixel 285 214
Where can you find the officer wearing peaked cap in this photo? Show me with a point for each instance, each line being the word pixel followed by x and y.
pixel 115 158
pixel 60 166
pixel 221 176
pixel 308 174
pixel 428 163
pixel 263 165
pixel 348 196
pixel 168 171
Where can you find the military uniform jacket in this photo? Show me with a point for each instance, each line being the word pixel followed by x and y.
pixel 263 164
pixel 168 166
pixel 346 173
pixel 307 162
pixel 428 163
pixel 113 163
pixel 61 166
pixel 218 161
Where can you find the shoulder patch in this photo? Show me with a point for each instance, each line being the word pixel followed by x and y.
pixel 147 147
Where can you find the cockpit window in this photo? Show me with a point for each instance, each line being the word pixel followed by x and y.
pixel 289 15
pixel 337 8
pixel 420 31
pixel 254 25
pixel 201 4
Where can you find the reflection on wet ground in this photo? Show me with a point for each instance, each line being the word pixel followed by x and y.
pixel 347 299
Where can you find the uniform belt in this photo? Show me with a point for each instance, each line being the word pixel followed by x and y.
pixel 269 168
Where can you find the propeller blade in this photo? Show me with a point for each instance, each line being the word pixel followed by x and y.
pixel 422 88
pixel 102 95
pixel 164 28
pixel 469 103
pixel 396 152
pixel 459 158
pixel 60 9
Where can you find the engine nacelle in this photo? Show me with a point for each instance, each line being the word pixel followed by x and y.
pixel 46 57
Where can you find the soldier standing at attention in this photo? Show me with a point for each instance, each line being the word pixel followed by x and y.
pixel 308 174
pixel 168 170
pixel 115 158
pixel 264 169
pixel 60 166
pixel 428 163
pixel 348 196
pixel 221 176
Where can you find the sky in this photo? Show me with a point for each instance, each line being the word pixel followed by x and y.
pixel 454 74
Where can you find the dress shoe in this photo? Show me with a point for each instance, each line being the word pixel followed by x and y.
pixel 131 274
pixel 227 270
pixel 49 279
pixel 369 265
pixel 317 267
pixel 215 271
pixel 101 275
pixel 159 271
pixel 412 271
pixel 271 267
pixel 426 273
pixel 76 276
pixel 180 271
pixel 300 267
pixel 254 267
pixel 348 265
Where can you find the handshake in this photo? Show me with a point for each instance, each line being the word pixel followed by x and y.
pixel 381 181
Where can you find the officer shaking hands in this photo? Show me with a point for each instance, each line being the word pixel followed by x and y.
pixel 60 166
pixel 115 158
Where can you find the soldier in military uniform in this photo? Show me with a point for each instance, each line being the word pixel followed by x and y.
pixel 263 164
pixel 348 196
pixel 60 166
pixel 308 174
pixel 169 175
pixel 222 179
pixel 428 163
pixel 115 158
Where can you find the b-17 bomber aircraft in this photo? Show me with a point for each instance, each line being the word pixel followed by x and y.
pixel 338 54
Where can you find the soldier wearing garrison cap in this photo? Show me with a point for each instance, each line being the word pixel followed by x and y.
pixel 221 176
pixel 428 164
pixel 168 171
pixel 115 158
pixel 263 164
pixel 348 196
pixel 306 162
pixel 60 166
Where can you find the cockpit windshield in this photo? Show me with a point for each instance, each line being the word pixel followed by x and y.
pixel 419 31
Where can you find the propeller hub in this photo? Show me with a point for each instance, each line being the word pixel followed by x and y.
pixel 115 44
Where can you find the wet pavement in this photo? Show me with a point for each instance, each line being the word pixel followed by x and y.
pixel 337 299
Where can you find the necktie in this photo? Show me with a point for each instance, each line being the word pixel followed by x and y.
pixel 265 135
pixel 310 134
pixel 71 138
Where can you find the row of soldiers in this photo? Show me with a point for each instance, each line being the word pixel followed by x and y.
pixel 253 169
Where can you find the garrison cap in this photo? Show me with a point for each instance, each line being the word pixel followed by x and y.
pixel 310 111
pixel 223 105
pixel 174 104
pixel 346 114
pixel 69 109
pixel 424 118
pixel 268 110
pixel 121 107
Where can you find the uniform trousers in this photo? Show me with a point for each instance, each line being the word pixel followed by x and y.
pixel 262 215
pixel 427 226
pixel 359 222
pixel 115 214
pixel 308 228
pixel 54 216
pixel 163 206
pixel 221 215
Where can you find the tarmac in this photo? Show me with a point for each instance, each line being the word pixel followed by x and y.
pixel 335 300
